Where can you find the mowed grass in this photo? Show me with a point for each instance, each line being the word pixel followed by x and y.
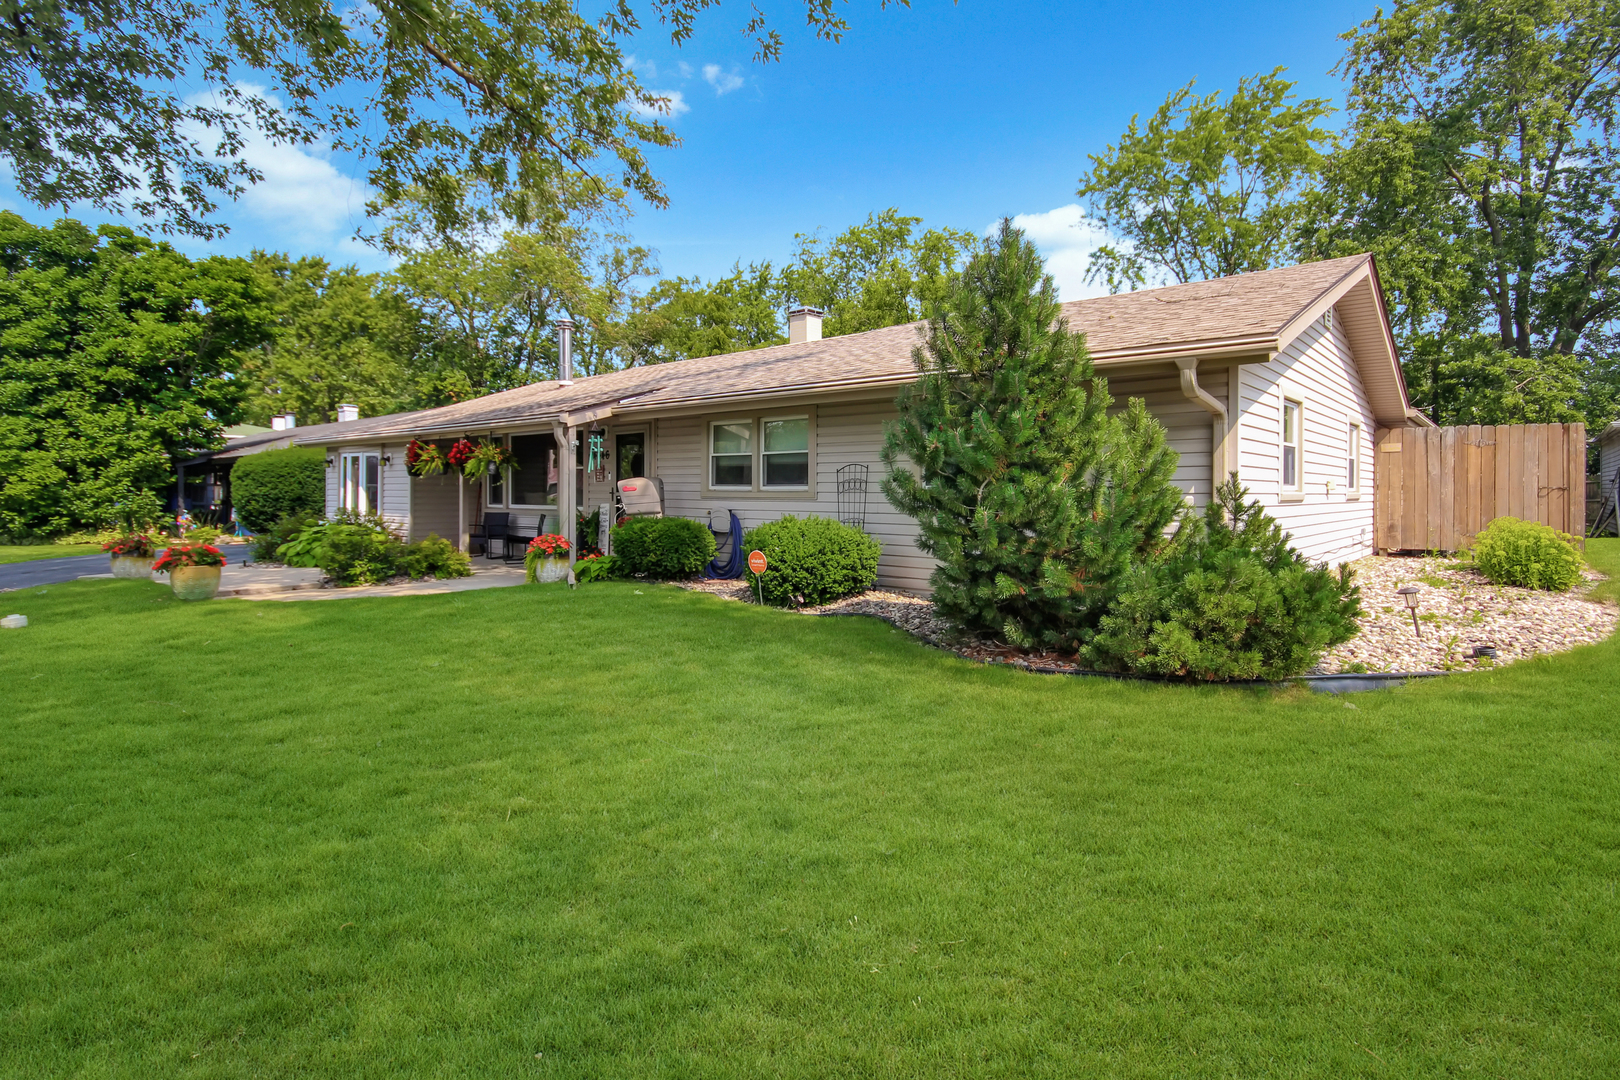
pixel 633 831
pixel 1604 556
pixel 16 553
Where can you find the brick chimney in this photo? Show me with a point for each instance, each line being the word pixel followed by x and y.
pixel 804 324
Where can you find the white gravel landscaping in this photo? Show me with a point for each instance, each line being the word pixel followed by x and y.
pixel 1458 610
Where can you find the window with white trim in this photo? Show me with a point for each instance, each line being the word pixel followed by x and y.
pixel 361 483
pixel 1293 444
pixel 731 455
pixel 496 481
pixel 784 452
pixel 1352 460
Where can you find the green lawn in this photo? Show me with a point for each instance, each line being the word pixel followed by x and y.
pixel 1604 555
pixel 643 832
pixel 15 553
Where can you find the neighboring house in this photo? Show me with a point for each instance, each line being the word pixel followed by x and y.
pixel 210 472
pixel 1284 376
pixel 1608 461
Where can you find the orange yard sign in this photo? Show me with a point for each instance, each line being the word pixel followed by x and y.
pixel 756 561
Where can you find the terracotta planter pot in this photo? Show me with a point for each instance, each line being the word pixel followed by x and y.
pixel 549 570
pixel 194 582
pixel 132 566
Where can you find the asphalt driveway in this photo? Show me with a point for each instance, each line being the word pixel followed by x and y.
pixel 50 571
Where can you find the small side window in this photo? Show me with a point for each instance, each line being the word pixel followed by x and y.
pixel 1352 460
pixel 1292 445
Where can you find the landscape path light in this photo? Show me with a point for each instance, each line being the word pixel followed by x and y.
pixel 1409 593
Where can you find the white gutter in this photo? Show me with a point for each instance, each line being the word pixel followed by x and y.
pixel 1218 464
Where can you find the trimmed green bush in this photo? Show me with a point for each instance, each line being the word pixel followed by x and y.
pixel 1528 554
pixel 355 550
pixel 1229 598
pixel 812 560
pixel 268 542
pixel 277 483
pixel 662 547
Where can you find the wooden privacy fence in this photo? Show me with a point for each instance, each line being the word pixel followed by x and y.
pixel 1436 487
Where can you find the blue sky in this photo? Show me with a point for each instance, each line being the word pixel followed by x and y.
pixel 957 113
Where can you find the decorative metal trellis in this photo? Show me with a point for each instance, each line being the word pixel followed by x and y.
pixel 852 495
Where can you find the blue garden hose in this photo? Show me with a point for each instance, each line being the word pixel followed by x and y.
pixel 733 566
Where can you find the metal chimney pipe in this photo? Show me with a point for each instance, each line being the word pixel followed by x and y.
pixel 565 351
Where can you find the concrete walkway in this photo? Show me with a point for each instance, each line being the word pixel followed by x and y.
pixel 492 575
pixel 253 581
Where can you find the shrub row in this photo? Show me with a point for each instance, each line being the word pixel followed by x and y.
pixel 355 550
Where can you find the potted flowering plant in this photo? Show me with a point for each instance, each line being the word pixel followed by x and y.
pixel 131 555
pixel 193 570
pixel 424 458
pixel 485 458
pixel 547 559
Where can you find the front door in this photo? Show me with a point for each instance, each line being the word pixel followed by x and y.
pixel 629 455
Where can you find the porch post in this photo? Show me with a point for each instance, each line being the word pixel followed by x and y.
pixel 461 512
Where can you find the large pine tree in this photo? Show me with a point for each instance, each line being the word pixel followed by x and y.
pixel 1032 497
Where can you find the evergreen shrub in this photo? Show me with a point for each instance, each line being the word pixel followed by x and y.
pixel 1033 499
pixel 812 560
pixel 268 487
pixel 1527 553
pixel 665 548
pixel 1228 598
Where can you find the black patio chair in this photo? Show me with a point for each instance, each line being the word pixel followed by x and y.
pixel 517 544
pixel 488 533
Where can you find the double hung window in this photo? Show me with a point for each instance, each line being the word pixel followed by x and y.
pixel 763 454
pixel 731 454
pixel 1292 445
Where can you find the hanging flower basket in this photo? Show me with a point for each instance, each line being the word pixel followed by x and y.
pixel 485 458
pixel 424 458
pixel 547 559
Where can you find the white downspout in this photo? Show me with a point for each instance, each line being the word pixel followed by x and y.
pixel 1218 465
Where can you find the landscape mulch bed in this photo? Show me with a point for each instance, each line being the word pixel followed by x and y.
pixel 1458 610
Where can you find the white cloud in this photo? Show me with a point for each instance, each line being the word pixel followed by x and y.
pixel 1066 238
pixel 303 200
pixel 670 103
pixel 724 82
pixel 684 68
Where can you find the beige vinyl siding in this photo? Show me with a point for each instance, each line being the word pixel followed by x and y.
pixel 1317 370
pixel 846 433
pixel 1189 427
pixel 433 507
pixel 1609 462
pixel 395 493
pixel 334 481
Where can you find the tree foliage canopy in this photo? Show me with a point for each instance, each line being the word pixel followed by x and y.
pixel 1207 188
pixel 116 355
pixel 1481 168
pixel 144 107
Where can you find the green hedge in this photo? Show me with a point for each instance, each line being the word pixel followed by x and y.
pixel 812 560
pixel 278 483
pixel 1528 554
pixel 662 547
